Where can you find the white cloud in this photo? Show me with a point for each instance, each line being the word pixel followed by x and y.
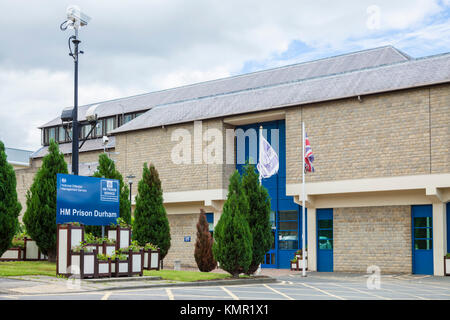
pixel 139 46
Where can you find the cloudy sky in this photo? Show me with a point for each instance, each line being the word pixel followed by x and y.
pixel 137 46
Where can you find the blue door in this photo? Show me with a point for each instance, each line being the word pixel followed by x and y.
pixel 325 240
pixel 286 214
pixel 422 239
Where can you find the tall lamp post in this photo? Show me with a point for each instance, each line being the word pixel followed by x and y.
pixel 75 20
pixel 130 182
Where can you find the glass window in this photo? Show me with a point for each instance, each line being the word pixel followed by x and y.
pixel 51 134
pixel 423 222
pixel 61 134
pixel 325 224
pixel 423 244
pixel 127 118
pixel 423 233
pixel 272 219
pixel 325 234
pixel 288 225
pixel 99 129
pixel 288 215
pixel 325 244
pixel 210 220
pixel 110 125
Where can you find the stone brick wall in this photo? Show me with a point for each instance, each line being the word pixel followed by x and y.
pixel 182 225
pixel 384 135
pixel 24 179
pixel 155 146
pixel 368 236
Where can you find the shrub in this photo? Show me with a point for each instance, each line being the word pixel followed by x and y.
pixel 150 218
pixel 9 205
pixel 258 216
pixel 40 216
pixel 203 245
pixel 232 246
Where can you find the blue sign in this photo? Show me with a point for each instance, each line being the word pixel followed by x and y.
pixel 87 200
pixel 187 239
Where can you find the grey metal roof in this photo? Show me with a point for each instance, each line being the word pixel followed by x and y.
pixel 396 76
pixel 18 156
pixel 66 148
pixel 296 72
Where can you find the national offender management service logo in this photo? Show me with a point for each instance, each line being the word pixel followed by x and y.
pixel 109 190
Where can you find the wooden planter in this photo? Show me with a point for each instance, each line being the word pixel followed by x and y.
pixel 151 259
pixel 13 254
pixel 102 268
pixel 84 264
pixel 120 267
pixel 136 263
pixel 294 266
pixel 32 251
pixel 67 237
pixel 121 235
pixel 447 266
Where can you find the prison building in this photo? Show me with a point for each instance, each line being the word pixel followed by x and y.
pixel 378 122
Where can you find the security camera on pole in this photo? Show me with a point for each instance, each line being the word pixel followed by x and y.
pixel 75 20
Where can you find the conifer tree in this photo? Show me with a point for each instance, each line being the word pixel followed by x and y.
pixel 40 216
pixel 203 245
pixel 107 169
pixel 232 246
pixel 151 224
pixel 258 217
pixel 9 205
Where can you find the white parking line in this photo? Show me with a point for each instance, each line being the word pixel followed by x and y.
pixel 170 294
pixel 360 291
pixel 106 296
pixel 323 291
pixel 230 293
pixel 280 293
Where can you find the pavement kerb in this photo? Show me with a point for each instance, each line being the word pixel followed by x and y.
pixel 230 282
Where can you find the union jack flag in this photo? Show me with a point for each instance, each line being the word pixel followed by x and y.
pixel 309 157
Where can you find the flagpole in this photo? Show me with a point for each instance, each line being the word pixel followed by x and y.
pixel 260 149
pixel 303 202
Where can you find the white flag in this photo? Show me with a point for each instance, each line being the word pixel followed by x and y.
pixel 268 159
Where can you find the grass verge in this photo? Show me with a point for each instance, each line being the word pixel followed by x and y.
pixel 44 268
pixel 27 268
pixel 186 276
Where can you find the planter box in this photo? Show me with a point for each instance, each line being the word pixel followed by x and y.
pixel 294 266
pixel 447 266
pixel 121 235
pixel 136 263
pixel 32 251
pixel 12 254
pixel 67 237
pixel 84 264
pixel 119 267
pixel 107 249
pixel 151 259
pixel 298 265
pixel 102 268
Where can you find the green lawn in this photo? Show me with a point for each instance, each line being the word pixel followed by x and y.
pixel 44 268
pixel 27 268
pixel 187 276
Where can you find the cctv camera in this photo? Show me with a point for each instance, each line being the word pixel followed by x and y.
pixel 78 18
pixel 105 140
